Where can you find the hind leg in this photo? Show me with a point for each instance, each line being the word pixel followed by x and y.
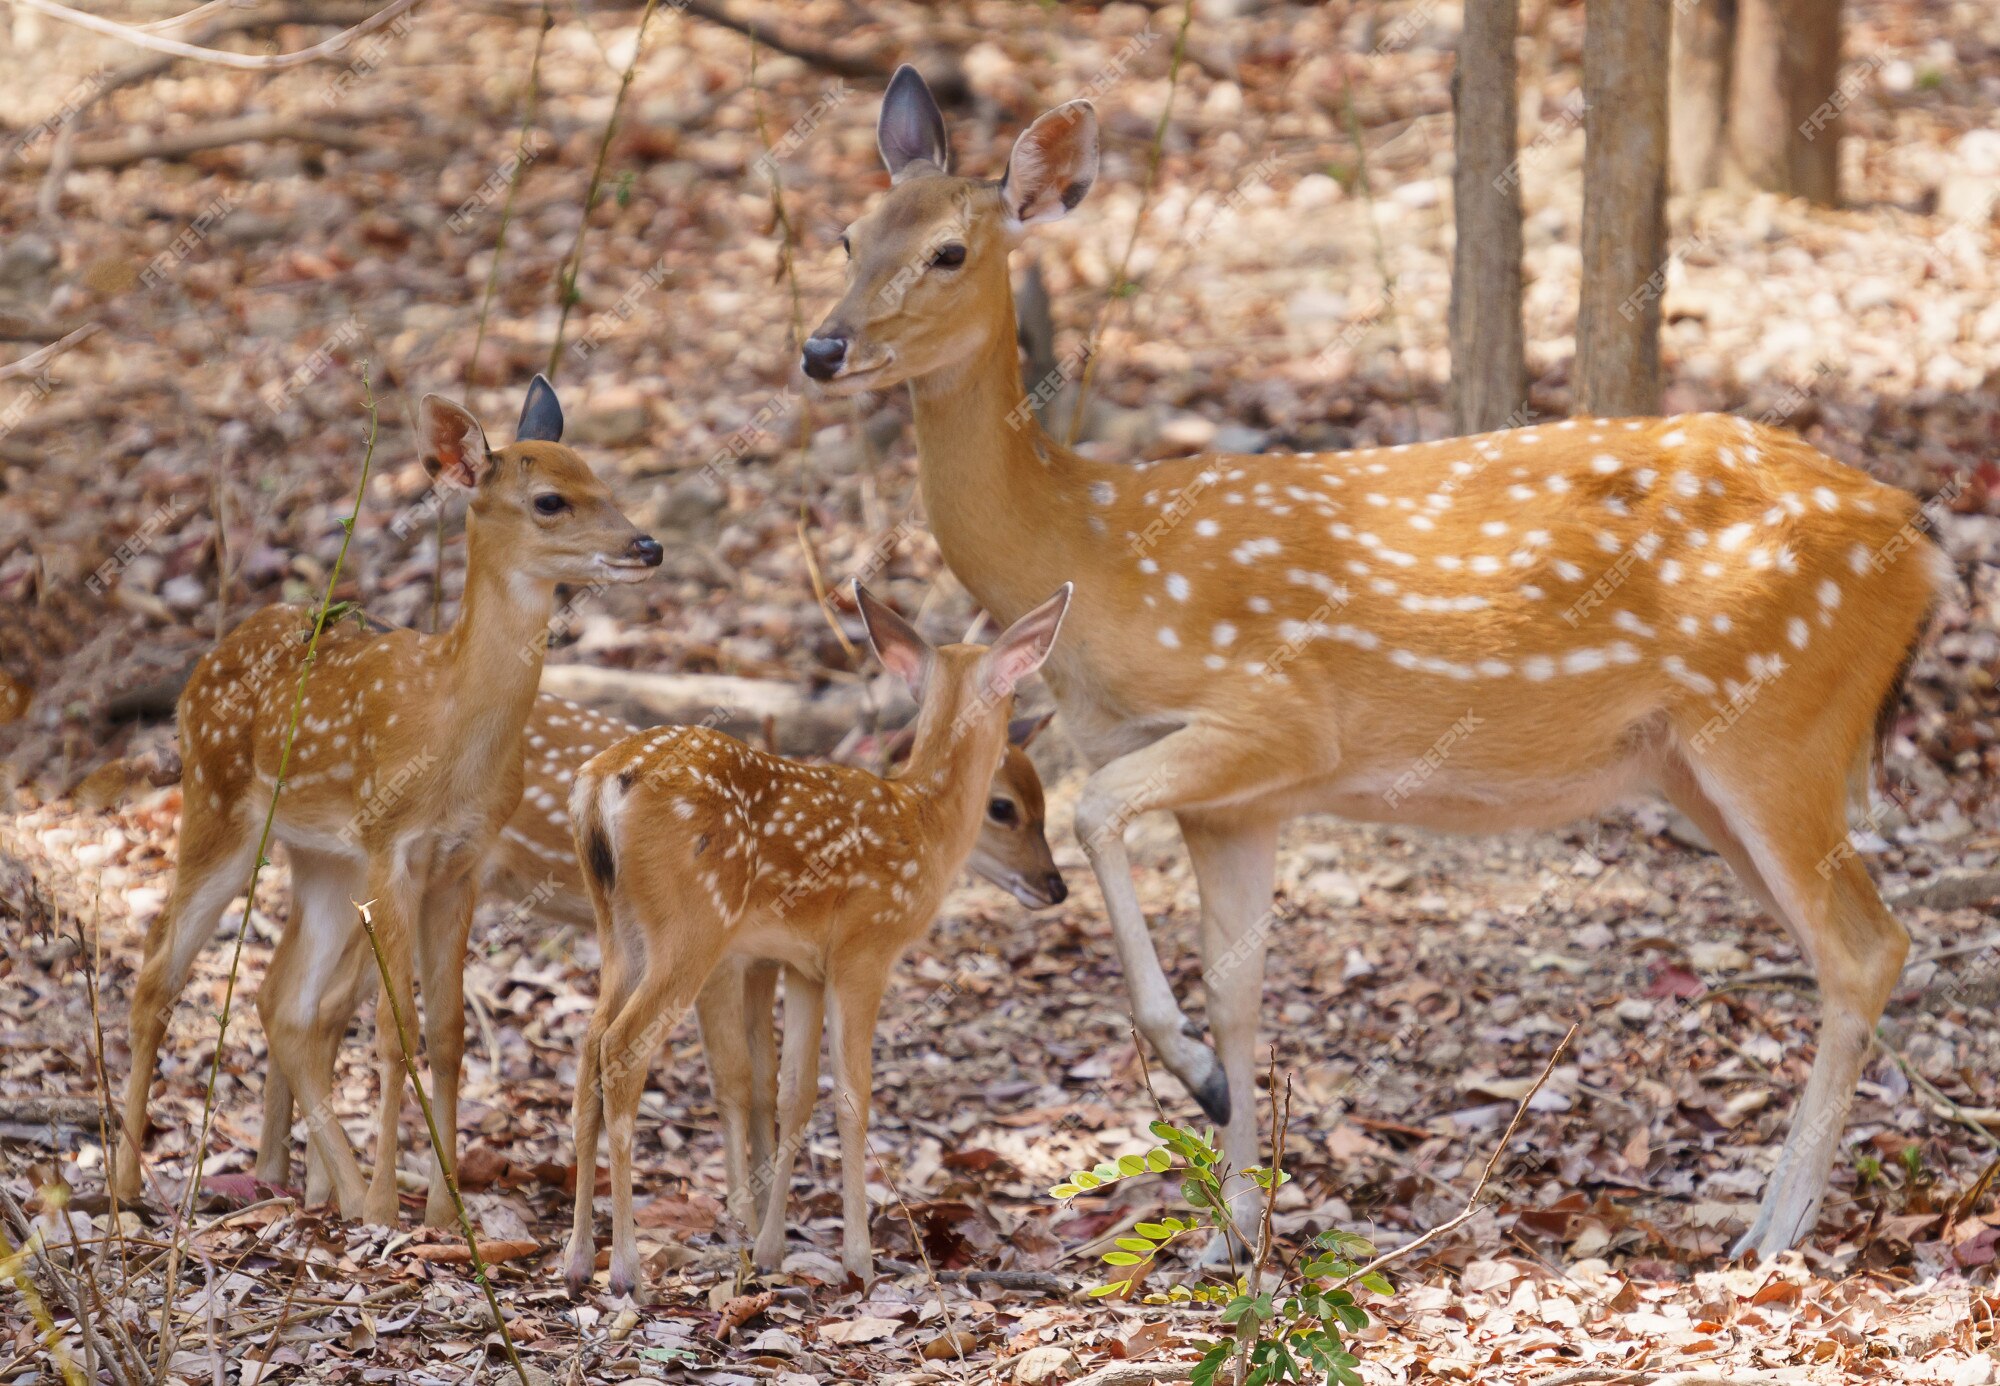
pixel 1785 833
pixel 725 1043
pixel 299 1001
pixel 213 865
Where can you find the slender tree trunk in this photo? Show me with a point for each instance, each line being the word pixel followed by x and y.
pixel 1785 99
pixel 1624 205
pixel 1704 33
pixel 1489 368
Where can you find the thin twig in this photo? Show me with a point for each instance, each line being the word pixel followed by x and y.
pixel 1251 1328
pixel 1471 1208
pixel 1953 1109
pixel 249 62
pixel 1119 283
pixel 439 1150
pixel 184 1214
pixel 573 264
pixel 34 360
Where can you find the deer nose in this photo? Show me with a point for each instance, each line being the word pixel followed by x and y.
pixel 822 356
pixel 1055 889
pixel 647 550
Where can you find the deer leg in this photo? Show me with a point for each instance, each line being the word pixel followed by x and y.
pixel 441 942
pixel 720 1011
pixel 214 864
pixel 857 1000
pixel 1790 833
pixel 798 1085
pixel 760 985
pixel 1234 866
pixel 1185 769
pixel 309 956
pixel 396 899
pixel 617 972
pixel 672 976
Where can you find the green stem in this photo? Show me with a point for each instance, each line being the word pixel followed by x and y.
pixel 439 1150
pixel 566 281
pixel 184 1214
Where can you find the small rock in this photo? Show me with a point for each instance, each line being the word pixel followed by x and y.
pixel 1634 1010
pixel 1396 877
pixel 184 593
pixel 1188 431
pixel 1710 956
pixel 1239 438
pixel 1044 1366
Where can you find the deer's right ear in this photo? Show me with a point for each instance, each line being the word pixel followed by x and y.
pixel 451 442
pixel 910 132
pixel 1053 165
pixel 902 651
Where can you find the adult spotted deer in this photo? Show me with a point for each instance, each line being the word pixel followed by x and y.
pixel 695 846
pixel 405 764
pixel 534 862
pixel 1698 605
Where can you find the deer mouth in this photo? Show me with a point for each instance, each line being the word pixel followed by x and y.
pixel 627 569
pixel 854 379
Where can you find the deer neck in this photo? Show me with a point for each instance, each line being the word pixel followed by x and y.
pixel 492 655
pixel 949 771
pixel 1001 496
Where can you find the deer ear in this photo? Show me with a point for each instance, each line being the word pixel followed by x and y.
pixel 1053 165
pixel 910 131
pixel 902 651
pixel 1022 731
pixel 1026 644
pixel 541 414
pixel 451 442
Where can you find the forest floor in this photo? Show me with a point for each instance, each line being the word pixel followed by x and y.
pixel 1291 291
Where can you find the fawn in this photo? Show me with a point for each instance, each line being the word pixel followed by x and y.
pixel 405 765
pixel 534 862
pixel 1702 606
pixel 695 846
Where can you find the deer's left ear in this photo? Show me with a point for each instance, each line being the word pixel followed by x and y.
pixel 1025 645
pixel 451 442
pixel 541 414
pixel 1053 165
pixel 902 651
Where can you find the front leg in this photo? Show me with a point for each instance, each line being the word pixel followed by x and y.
pixel 1234 865
pixel 798 1085
pixel 1187 769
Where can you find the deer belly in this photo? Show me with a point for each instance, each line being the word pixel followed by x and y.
pixel 1431 792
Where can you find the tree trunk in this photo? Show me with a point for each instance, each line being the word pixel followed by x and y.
pixel 1489 369
pixel 1704 32
pixel 1785 99
pixel 1624 205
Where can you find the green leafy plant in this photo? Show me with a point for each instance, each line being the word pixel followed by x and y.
pixel 1291 1332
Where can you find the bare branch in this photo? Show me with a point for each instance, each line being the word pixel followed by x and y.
pixel 249 62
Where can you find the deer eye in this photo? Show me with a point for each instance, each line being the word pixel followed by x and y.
pixel 1001 811
pixel 845 247
pixel 949 256
pixel 549 503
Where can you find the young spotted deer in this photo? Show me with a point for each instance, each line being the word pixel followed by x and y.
pixel 695 846
pixel 534 862
pixel 406 762
pixel 1700 605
